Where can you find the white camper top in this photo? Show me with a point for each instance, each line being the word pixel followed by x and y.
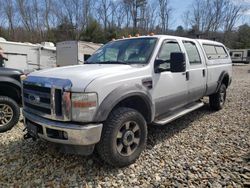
pixel 43 45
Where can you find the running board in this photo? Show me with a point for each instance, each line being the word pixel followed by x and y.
pixel 183 111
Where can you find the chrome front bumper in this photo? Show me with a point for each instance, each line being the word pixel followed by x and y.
pixel 81 135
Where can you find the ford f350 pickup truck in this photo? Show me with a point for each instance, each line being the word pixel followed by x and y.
pixel 107 103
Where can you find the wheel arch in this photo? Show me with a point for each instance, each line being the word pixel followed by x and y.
pixel 223 79
pixel 12 90
pixel 135 97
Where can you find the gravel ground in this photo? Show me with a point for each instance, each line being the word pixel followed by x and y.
pixel 201 149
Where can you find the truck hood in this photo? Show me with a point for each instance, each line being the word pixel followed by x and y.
pixel 81 75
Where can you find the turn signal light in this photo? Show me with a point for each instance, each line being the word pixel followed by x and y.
pixel 84 104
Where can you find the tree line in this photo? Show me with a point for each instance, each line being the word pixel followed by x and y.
pixel 102 20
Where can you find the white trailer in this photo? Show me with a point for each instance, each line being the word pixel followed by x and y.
pixel 240 55
pixel 74 52
pixel 29 57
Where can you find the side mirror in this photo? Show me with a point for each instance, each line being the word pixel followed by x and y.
pixel 157 64
pixel 177 62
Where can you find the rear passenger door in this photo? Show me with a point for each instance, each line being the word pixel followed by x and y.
pixel 196 71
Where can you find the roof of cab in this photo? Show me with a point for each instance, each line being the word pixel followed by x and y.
pixel 202 41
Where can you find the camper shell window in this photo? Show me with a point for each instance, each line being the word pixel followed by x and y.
pixel 214 51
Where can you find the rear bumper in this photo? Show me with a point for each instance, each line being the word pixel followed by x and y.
pixel 63 132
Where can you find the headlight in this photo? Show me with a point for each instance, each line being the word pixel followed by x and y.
pixel 84 106
pixel 23 77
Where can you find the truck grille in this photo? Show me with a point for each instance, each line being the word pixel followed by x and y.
pixel 49 100
pixel 37 99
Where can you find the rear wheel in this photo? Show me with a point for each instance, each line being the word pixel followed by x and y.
pixel 9 113
pixel 218 99
pixel 123 138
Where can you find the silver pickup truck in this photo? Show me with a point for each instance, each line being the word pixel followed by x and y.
pixel 125 86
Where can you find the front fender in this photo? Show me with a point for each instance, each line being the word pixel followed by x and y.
pixel 4 79
pixel 118 95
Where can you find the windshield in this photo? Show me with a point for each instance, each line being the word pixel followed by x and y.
pixel 131 51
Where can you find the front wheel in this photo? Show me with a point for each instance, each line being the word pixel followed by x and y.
pixel 218 99
pixel 123 138
pixel 9 113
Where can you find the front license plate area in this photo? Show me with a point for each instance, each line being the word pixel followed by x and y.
pixel 32 129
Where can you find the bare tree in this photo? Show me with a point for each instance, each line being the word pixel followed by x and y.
pixel 25 14
pixel 37 21
pixel 119 14
pixel 212 15
pixel 9 12
pixel 186 19
pixel 134 8
pixel 165 11
pixel 126 7
pixel 88 8
pixel 104 11
pixel 231 15
pixel 47 12
pixel 151 16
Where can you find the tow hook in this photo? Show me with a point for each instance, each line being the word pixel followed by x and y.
pixel 28 135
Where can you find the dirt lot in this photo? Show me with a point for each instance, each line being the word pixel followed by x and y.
pixel 201 149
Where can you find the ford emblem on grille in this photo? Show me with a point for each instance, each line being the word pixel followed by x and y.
pixel 34 99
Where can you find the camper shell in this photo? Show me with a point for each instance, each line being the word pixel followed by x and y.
pixel 27 56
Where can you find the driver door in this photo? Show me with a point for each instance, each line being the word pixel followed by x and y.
pixel 170 89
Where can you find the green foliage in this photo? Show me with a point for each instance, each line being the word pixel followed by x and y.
pixel 244 36
pixel 180 31
pixel 93 33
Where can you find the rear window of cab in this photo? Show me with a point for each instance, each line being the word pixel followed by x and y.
pixel 215 51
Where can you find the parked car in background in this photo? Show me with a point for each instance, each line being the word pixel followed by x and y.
pixel 10 97
pixel 240 55
pixel 107 103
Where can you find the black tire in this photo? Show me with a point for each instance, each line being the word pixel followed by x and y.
pixel 217 100
pixel 116 134
pixel 9 110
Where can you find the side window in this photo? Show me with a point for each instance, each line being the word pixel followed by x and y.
pixel 192 52
pixel 248 53
pixel 167 48
pixel 237 55
pixel 221 52
pixel 210 51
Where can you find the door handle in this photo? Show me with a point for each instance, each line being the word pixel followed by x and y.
pixel 187 75
pixel 203 72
